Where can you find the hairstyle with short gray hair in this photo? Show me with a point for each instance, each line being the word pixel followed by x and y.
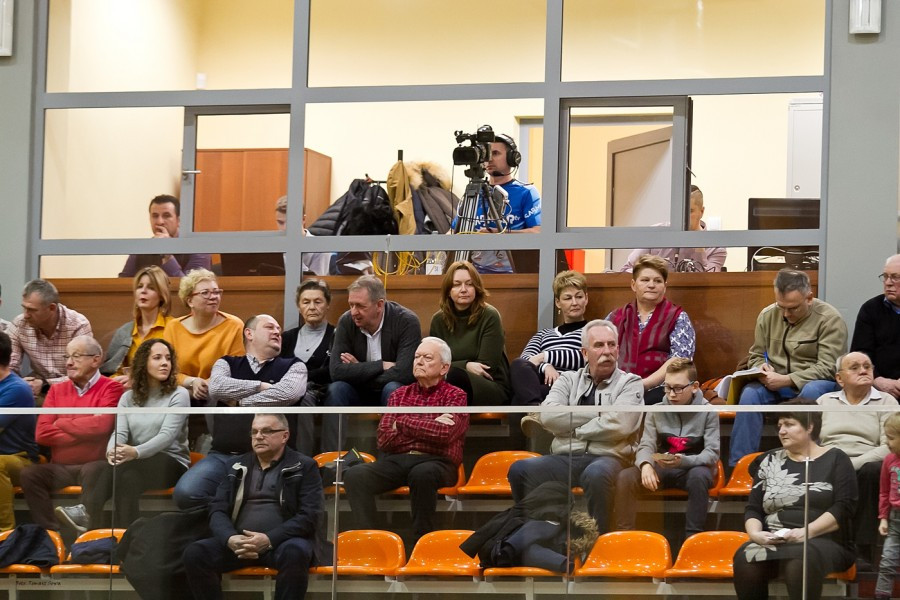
pixel 598 323
pixel 371 284
pixel 44 289
pixel 282 420
pixel 443 348
pixel 840 359
pixel 789 280
pixel 89 344
pixel 281 205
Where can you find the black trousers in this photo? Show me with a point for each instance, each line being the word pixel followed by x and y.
pixel 423 473
pixel 206 560
pixel 132 479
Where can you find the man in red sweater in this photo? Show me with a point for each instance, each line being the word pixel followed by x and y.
pixel 421 450
pixel 75 441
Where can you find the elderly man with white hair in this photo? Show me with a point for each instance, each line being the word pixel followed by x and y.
pixel 589 448
pixel 861 437
pixel 422 450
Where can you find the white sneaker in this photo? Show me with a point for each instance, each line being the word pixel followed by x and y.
pixel 75 517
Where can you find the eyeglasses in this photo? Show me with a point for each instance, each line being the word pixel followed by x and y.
pixel 265 432
pixel 857 367
pixel 77 356
pixel 676 389
pixel 892 277
pixel 207 293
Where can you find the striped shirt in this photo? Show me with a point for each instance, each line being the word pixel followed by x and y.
pixel 46 353
pixel 561 347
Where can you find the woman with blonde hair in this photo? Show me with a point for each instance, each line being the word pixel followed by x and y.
pixel 152 305
pixel 553 349
pixel 474 331
pixel 205 335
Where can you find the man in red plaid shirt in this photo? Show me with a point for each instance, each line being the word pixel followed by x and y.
pixel 421 450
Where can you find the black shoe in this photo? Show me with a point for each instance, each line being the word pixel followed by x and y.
pixel 863 565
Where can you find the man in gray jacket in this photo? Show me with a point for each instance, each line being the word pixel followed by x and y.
pixel 592 447
pixel 678 450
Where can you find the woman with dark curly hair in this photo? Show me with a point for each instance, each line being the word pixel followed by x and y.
pixel 146 450
pixel 473 330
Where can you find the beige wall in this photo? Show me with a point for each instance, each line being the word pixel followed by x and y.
pixel 108 163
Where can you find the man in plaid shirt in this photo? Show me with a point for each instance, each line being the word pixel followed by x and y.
pixel 421 450
pixel 42 332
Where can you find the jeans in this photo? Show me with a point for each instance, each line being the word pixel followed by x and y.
pixel 206 560
pixel 596 474
pixel 747 430
pixel 696 481
pixel 198 486
pixel 340 394
pixel 890 557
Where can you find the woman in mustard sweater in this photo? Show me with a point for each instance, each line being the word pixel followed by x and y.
pixel 473 330
pixel 205 335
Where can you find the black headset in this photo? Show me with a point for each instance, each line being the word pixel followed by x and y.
pixel 513 156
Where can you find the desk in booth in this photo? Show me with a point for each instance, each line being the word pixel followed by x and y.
pixel 722 306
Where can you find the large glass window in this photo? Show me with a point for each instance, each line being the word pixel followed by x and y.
pixel 111 46
pixel 691 39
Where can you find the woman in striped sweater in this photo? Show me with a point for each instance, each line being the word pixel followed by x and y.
pixel 553 349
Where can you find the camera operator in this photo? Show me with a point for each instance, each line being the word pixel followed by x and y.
pixel 524 213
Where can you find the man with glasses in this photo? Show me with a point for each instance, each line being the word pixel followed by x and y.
pixel 77 442
pixel 421 450
pixel 269 511
pixel 860 436
pixel 42 333
pixel 677 450
pixel 259 378
pixel 165 222
pixel 797 341
pixel 589 448
pixel 877 331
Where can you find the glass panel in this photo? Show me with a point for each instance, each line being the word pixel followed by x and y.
pixel 764 146
pixel 429 144
pixel 108 46
pixel 107 490
pixel 243 164
pixel 687 39
pixel 431 42
pixel 620 166
pixel 103 166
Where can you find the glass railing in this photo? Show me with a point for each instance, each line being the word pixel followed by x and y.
pixel 407 492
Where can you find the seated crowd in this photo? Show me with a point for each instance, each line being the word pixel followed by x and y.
pixel 265 498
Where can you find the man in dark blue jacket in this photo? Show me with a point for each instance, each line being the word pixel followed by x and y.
pixel 269 511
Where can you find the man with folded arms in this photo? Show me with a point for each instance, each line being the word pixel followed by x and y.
pixel 77 442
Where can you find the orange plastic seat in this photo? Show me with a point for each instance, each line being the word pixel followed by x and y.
pixel 254 572
pixel 848 575
pixel 519 572
pixel 367 552
pixel 708 555
pixel 627 554
pixel 326 457
pixel 718 482
pixel 489 475
pixel 740 481
pixel 19 569
pixel 437 554
pixel 92 569
pixel 450 490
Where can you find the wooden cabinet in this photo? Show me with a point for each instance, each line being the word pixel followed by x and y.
pixel 236 190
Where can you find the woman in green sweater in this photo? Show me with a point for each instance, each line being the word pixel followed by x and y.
pixel 474 332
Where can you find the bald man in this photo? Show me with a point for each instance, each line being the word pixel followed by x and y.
pixel 877 331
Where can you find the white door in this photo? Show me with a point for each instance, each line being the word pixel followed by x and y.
pixel 640 186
